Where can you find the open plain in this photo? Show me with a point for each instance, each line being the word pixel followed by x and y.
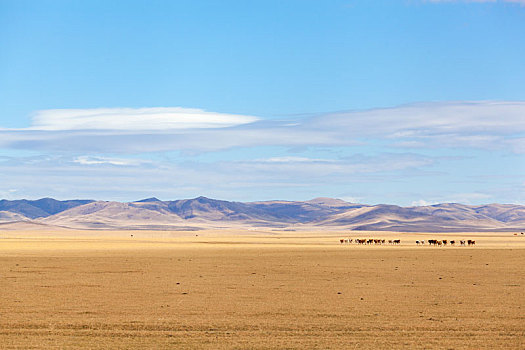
pixel 258 290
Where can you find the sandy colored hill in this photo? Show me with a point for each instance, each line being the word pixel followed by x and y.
pixel 7 216
pixel 111 215
pixel 318 213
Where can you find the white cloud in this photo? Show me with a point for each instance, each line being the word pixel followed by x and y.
pixel 428 119
pixel 421 203
pixel 87 160
pixel 401 178
pixel 351 199
pixel 292 160
pixel 116 178
pixel 517 145
pixel 468 198
pixel 464 198
pixel 479 124
pixel 321 169
pixel 136 119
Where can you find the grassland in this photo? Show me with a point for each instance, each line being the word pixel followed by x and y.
pixel 258 290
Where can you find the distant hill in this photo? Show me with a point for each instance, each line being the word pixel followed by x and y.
pixel 7 216
pixel 202 212
pixel 39 208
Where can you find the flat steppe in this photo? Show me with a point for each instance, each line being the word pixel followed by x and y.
pixel 240 289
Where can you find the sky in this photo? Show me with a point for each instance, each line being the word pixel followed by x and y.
pixel 406 102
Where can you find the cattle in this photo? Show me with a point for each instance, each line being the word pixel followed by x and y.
pixel 375 241
pixel 422 242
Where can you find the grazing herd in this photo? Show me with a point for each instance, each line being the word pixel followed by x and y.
pixel 444 242
pixel 369 241
pixel 431 242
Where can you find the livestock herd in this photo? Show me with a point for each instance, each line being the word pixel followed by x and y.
pixel 444 242
pixel 431 242
pixel 369 241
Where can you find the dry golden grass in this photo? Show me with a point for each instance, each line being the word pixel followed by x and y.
pixel 284 290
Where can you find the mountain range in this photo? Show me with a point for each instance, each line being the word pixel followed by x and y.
pixel 319 213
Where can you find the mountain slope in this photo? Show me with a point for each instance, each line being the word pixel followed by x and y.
pixel 7 216
pixel 39 208
pixel 203 212
pixel 110 215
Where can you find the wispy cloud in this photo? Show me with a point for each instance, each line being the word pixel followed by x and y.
pixel 479 124
pixel 130 179
pixel 421 203
pixel 428 119
pixel 291 159
pixel 464 198
pixel 88 160
pixel 401 178
pixel 136 119
pixel 335 169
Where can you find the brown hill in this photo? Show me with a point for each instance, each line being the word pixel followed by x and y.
pixel 111 215
pixel 318 213
pixel 7 216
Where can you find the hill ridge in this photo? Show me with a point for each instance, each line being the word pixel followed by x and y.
pixel 322 212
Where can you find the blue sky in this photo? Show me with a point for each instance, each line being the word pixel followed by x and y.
pixel 404 102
